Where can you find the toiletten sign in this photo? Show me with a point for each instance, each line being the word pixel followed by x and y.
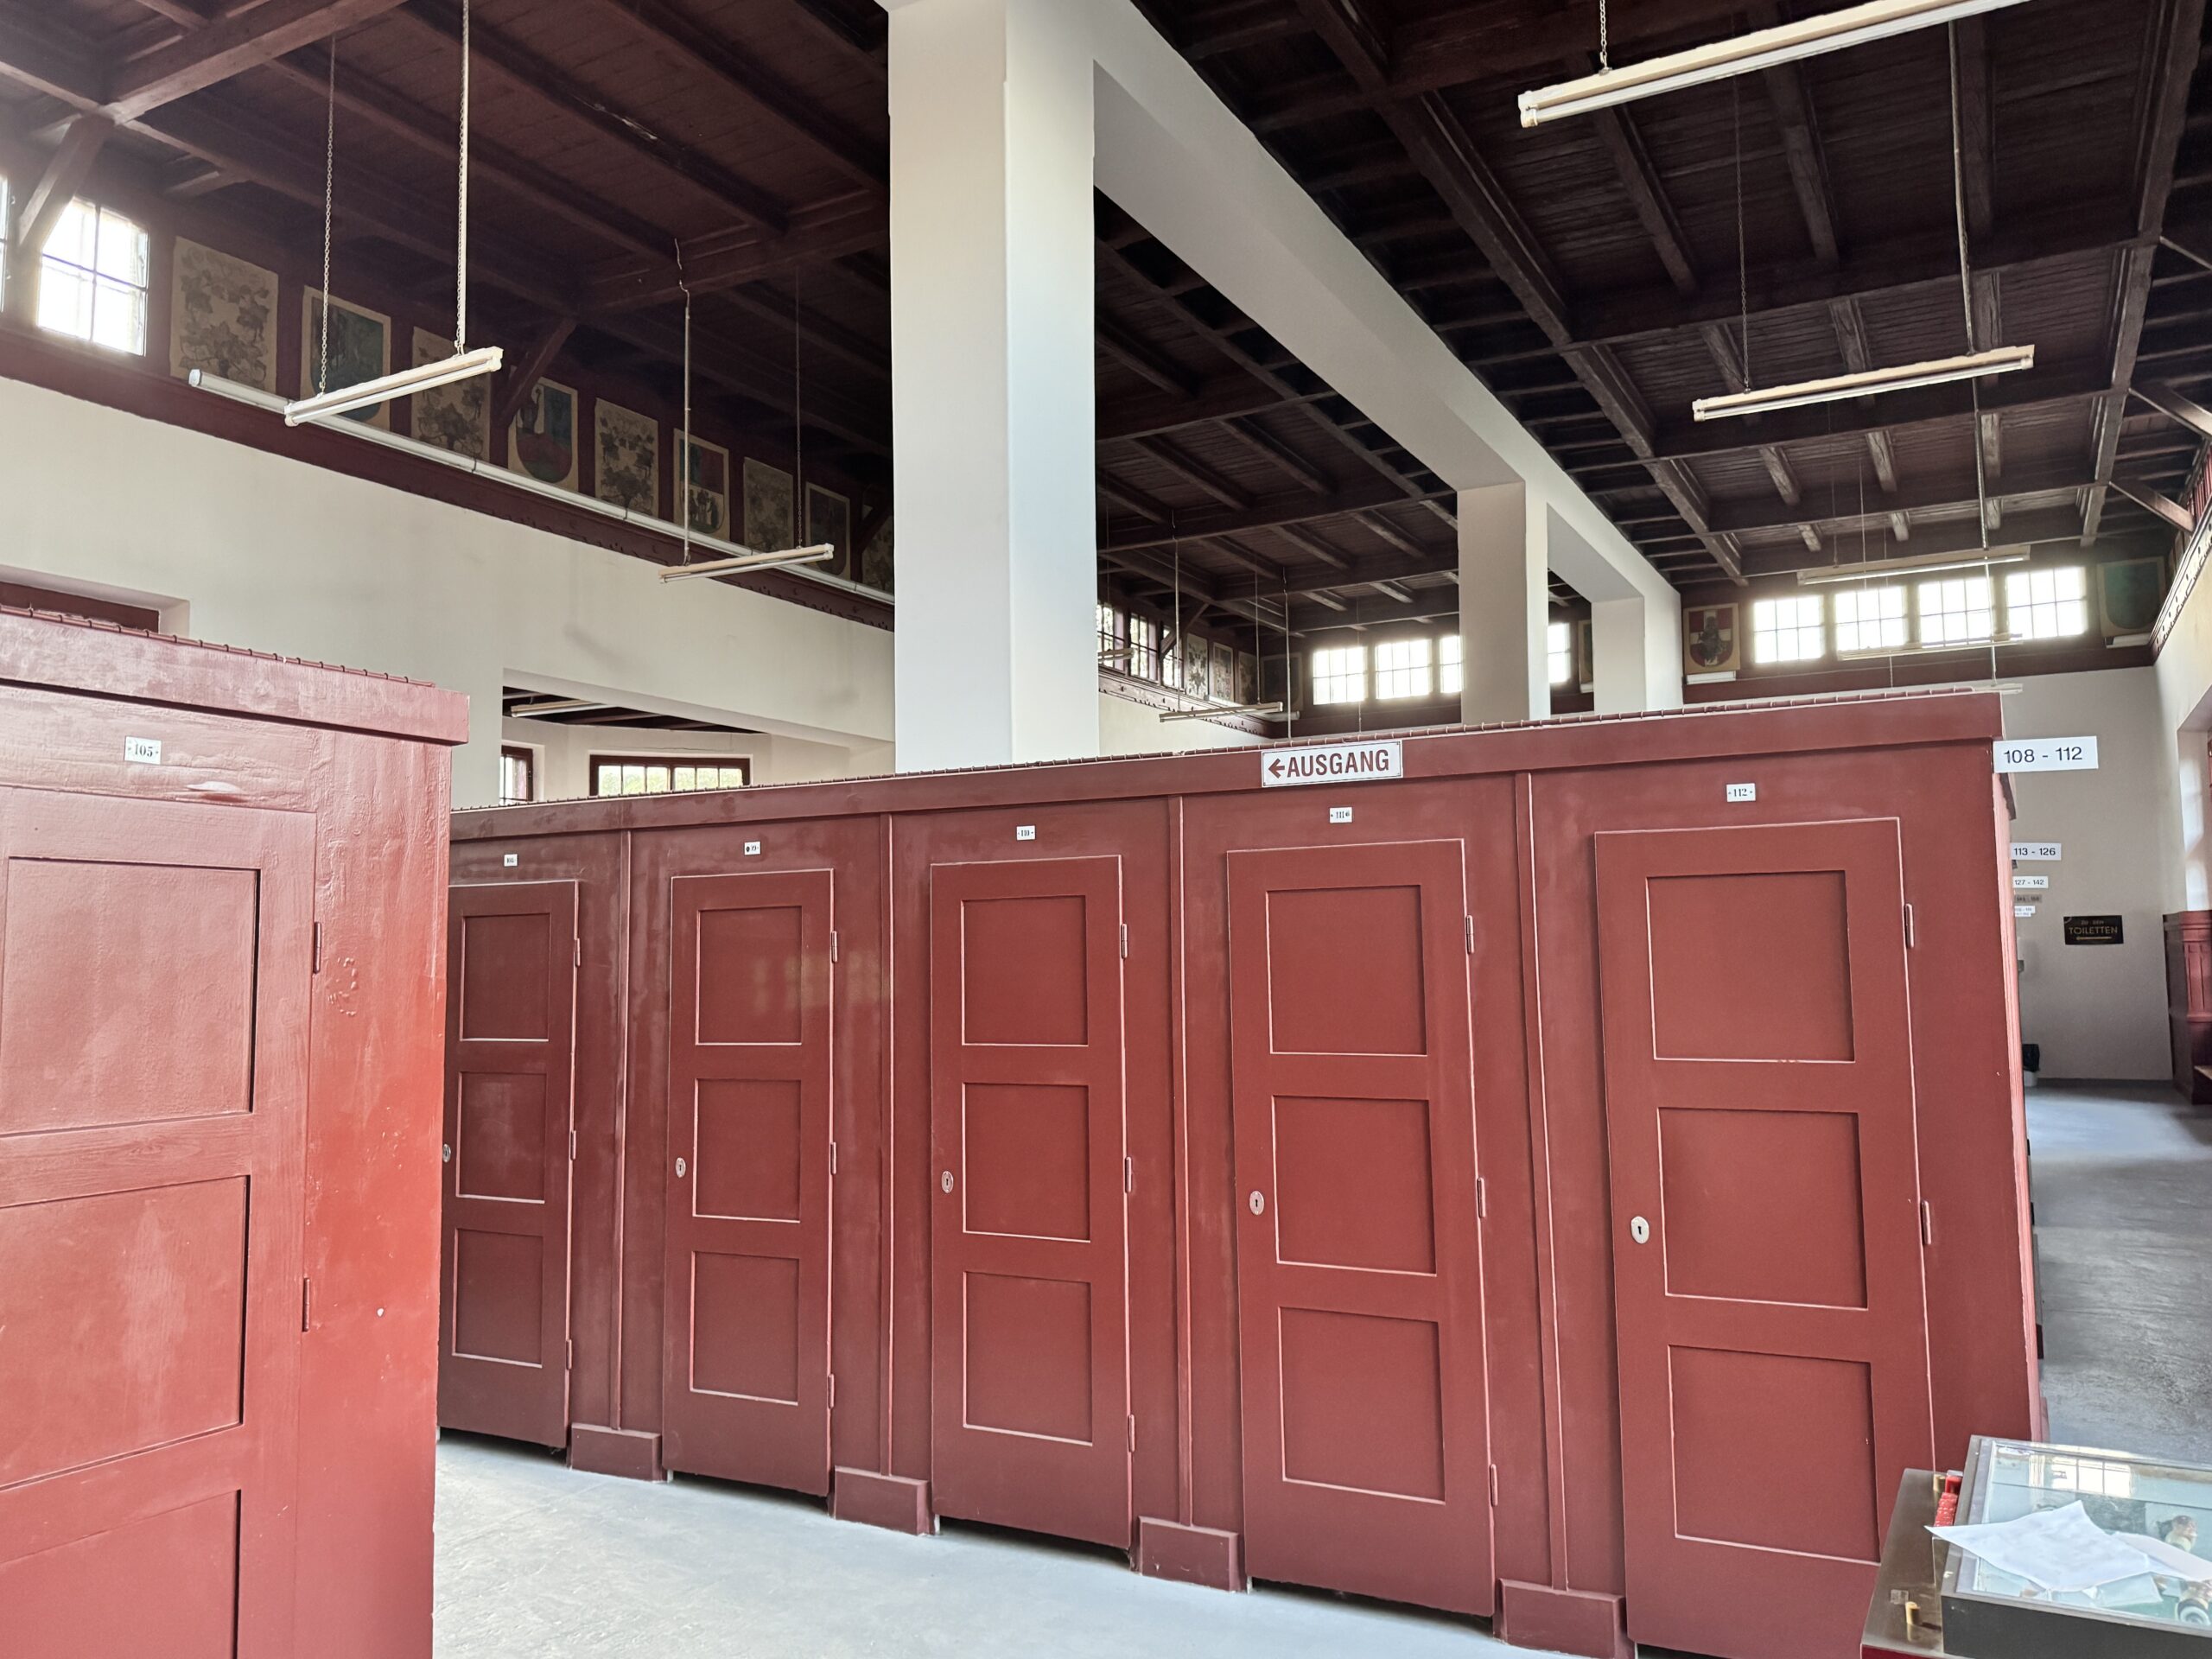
pixel 1333 763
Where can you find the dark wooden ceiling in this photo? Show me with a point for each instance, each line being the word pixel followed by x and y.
pixel 1598 273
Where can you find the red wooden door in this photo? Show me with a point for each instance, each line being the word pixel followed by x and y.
pixel 1366 1461
pixel 1030 1286
pixel 745 1382
pixel 155 961
pixel 511 1071
pixel 1773 1349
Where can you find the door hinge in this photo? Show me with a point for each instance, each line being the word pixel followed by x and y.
pixel 1132 1431
pixel 578 944
pixel 1910 940
pixel 1471 935
pixel 1493 1485
pixel 572 1146
pixel 1129 1174
pixel 307 1303
pixel 1482 1199
pixel 572 1353
pixel 1927 1223
pixel 317 966
pixel 833 944
pixel 1125 941
pixel 833 1390
pixel 833 1157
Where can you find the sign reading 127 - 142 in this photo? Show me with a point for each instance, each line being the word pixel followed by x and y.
pixel 1333 763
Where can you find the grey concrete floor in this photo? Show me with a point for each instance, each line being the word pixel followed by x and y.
pixel 535 1561
pixel 2122 1179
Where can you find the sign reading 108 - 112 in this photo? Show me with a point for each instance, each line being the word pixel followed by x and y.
pixel 2045 754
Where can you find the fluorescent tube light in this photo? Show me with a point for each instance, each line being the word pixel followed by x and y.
pixel 1761 50
pixel 1251 710
pixel 485 359
pixel 2002 359
pixel 813 555
pixel 1916 564
pixel 508 479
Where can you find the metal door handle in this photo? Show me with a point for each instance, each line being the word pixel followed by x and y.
pixel 1259 1203
pixel 946 1180
pixel 679 1169
pixel 1639 1229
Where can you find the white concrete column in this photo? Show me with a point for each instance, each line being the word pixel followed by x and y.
pixel 993 389
pixel 1505 604
pixel 1636 649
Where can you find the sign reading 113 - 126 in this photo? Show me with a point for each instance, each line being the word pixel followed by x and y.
pixel 2045 754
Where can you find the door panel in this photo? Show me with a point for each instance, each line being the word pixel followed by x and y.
pixel 1029 1320
pixel 746 1384
pixel 1772 1329
pixel 511 1058
pixel 1365 1460
pixel 155 960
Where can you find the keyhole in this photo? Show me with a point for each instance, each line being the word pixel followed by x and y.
pixel 1640 1230
pixel 679 1169
pixel 1259 1203
pixel 448 1154
pixel 946 1180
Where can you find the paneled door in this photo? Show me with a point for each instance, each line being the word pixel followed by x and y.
pixel 745 1382
pixel 1030 1291
pixel 155 965
pixel 1358 1278
pixel 510 1069
pixel 1773 1349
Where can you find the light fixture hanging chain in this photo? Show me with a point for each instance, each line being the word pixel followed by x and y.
pixel 329 178
pixel 1605 41
pixel 800 528
pixel 461 236
pixel 1966 304
pixel 1743 258
pixel 683 444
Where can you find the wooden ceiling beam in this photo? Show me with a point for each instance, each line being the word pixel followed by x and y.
pixel 519 378
pixel 2029 245
pixel 1278 455
pixel 1266 513
pixel 2155 501
pixel 1284 391
pixel 861 158
pixel 1616 132
pixel 1977 126
pixel 2171 57
pixel 371 100
pixel 2171 404
pixel 520 68
pixel 1792 102
pixel 1141 357
pixel 205 56
pixel 1193 472
pixel 1720 346
pixel 67 170
pixel 1446 157
pixel 860 31
pixel 818 236
pixel 1749 517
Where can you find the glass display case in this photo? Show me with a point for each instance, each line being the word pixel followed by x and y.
pixel 1989 1614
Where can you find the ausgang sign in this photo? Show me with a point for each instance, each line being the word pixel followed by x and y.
pixel 1333 763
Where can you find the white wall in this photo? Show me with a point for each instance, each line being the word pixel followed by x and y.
pixel 1127 728
pixel 278 555
pixel 2099 1011
pixel 564 754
